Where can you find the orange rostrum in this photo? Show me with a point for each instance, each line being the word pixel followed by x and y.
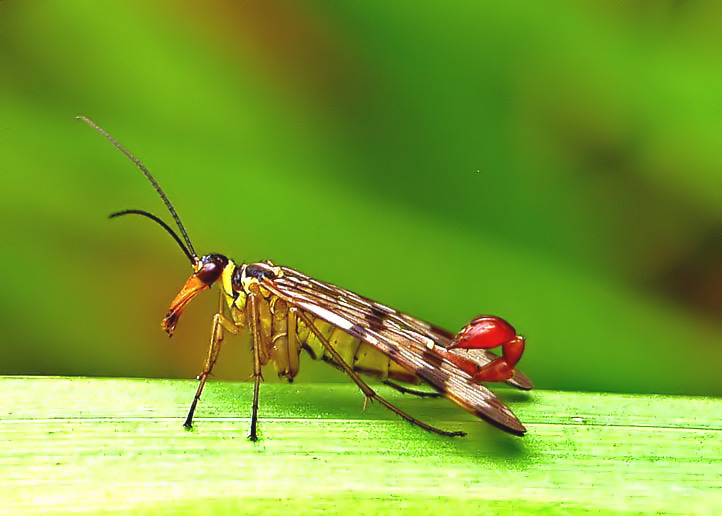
pixel 190 290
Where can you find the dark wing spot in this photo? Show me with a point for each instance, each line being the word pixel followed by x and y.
pixel 357 331
pixel 432 358
pixel 376 318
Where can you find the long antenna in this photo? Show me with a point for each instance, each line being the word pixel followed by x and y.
pixel 165 226
pixel 152 180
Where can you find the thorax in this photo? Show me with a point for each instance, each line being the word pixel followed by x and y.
pixel 241 280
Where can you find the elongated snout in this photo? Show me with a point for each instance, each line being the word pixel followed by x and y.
pixel 190 290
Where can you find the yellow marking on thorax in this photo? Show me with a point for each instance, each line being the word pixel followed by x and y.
pixel 236 304
pixel 227 278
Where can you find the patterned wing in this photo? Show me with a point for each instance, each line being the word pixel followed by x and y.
pixel 404 339
pixel 378 314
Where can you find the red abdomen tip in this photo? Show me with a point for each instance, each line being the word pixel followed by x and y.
pixel 484 332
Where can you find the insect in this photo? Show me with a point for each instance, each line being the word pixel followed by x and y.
pixel 288 312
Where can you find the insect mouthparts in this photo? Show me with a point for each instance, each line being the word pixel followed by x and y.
pixel 169 322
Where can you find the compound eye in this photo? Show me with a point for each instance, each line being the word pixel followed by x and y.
pixel 211 267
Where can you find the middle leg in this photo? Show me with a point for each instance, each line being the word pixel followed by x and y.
pixel 257 338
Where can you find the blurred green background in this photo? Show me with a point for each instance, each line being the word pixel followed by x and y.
pixel 556 163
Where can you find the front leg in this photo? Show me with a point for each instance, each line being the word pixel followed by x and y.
pixel 219 323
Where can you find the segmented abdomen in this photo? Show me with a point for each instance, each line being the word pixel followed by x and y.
pixel 363 357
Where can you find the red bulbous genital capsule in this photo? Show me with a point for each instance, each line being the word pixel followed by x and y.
pixel 484 332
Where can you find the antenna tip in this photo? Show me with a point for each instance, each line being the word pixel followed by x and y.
pixel 87 120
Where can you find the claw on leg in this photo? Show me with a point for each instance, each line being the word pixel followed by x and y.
pixel 486 332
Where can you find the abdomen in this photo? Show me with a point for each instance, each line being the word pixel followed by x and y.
pixel 363 357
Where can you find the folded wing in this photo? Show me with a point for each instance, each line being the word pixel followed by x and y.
pixel 404 339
